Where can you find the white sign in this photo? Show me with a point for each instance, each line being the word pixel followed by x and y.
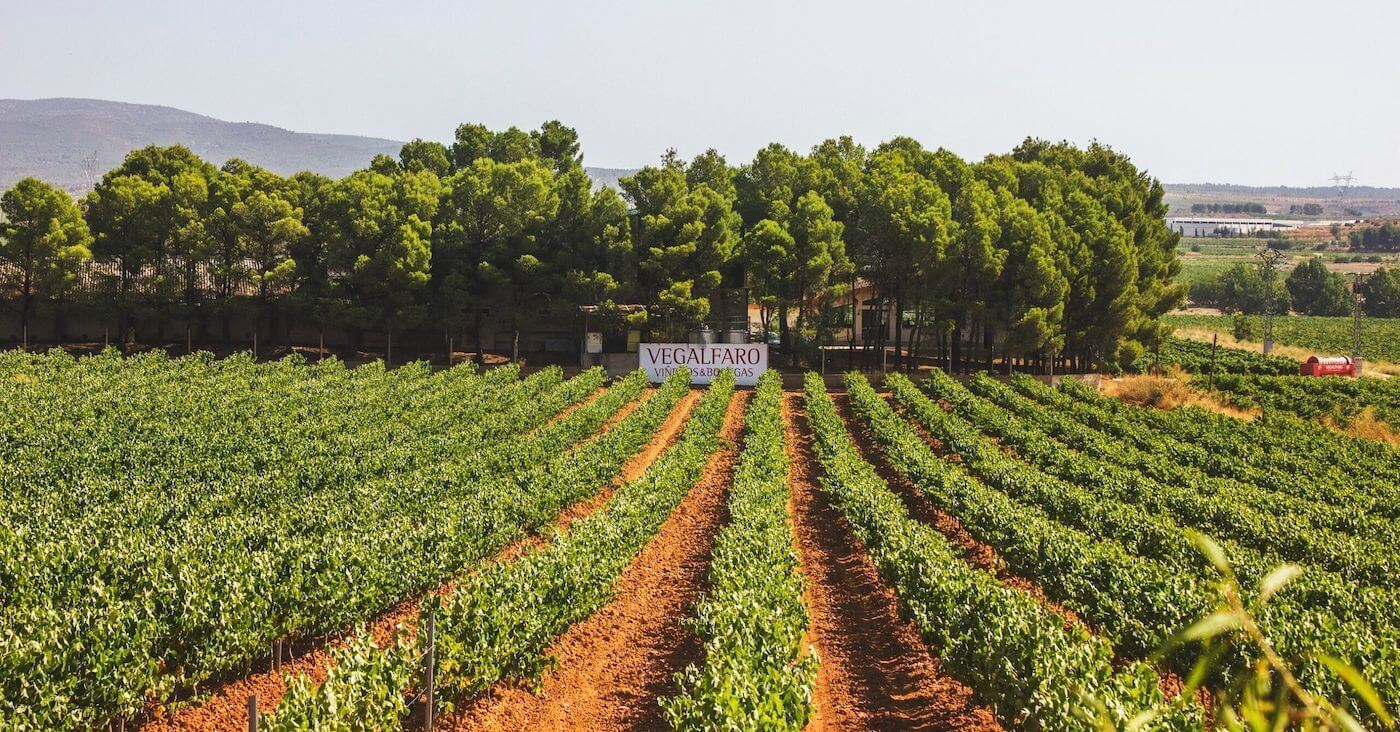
pixel 748 360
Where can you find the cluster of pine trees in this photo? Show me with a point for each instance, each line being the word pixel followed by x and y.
pixel 1050 250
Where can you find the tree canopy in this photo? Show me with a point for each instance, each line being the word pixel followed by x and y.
pixel 1049 249
pixel 43 240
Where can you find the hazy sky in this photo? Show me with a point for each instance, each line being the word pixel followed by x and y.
pixel 1245 92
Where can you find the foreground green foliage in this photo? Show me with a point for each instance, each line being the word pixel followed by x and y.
pixel 1265 694
pixel 757 675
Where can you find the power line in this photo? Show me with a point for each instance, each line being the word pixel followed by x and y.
pixel 1269 261
pixel 1343 184
pixel 1357 300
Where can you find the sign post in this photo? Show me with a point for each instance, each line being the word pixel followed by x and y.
pixel 705 361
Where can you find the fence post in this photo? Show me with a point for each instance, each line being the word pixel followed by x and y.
pixel 252 713
pixel 428 672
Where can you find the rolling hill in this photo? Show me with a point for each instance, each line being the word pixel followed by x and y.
pixel 65 141
pixel 70 142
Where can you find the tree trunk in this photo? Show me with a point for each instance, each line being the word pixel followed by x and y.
pixel 123 301
pixel 884 336
pixel 479 358
pixel 784 333
pixel 916 337
pixel 898 318
pixel 797 329
pixel 855 313
pixel 955 364
pixel 25 307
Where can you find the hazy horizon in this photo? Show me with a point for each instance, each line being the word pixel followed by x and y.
pixel 1244 93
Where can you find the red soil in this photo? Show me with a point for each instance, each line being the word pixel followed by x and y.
pixel 875 672
pixel 614 666
pixel 227 707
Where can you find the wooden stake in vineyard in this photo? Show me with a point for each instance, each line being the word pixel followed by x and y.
pixel 429 693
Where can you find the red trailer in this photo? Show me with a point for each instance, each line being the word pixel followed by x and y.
pixel 1327 366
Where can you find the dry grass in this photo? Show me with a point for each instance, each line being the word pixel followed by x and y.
pixel 1170 391
pixel 1367 426
pixel 1371 367
pixel 1173 391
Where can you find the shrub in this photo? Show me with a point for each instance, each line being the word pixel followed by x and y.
pixel 1243 327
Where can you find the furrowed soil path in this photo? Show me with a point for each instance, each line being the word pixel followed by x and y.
pixel 875 672
pixel 227 707
pixel 614 665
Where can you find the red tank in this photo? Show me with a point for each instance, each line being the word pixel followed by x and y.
pixel 1327 366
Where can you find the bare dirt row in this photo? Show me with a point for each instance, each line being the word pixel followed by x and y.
pixel 875 672
pixel 614 666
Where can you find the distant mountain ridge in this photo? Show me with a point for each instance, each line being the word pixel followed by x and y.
pixel 71 142
pixel 64 141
